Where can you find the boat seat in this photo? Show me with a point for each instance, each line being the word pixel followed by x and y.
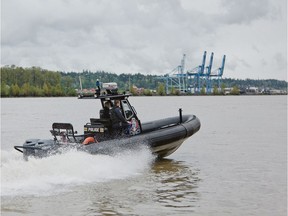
pixel 65 132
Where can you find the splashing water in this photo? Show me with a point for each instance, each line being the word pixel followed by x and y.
pixel 59 173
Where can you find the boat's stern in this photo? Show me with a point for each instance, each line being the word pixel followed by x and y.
pixel 35 147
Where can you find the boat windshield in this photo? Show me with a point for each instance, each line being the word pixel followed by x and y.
pixel 127 110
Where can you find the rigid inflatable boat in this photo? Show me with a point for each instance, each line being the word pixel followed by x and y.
pixel 162 137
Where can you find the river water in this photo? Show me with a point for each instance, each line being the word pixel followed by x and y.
pixel 235 165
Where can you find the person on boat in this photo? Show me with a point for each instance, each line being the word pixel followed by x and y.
pixel 98 90
pixel 106 110
pixel 119 123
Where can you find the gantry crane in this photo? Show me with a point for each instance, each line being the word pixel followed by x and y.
pixel 217 74
pixel 196 78
pixel 195 74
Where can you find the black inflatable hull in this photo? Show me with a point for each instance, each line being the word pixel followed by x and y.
pixel 162 137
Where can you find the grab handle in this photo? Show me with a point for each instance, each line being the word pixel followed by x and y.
pixel 25 147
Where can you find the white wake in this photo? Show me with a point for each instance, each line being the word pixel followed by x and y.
pixel 60 173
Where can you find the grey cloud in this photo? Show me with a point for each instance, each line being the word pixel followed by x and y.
pixel 144 36
pixel 245 11
pixel 280 61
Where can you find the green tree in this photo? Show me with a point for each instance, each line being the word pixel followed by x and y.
pixel 15 90
pixel 203 91
pixel 174 91
pixel 235 90
pixel 4 90
pixel 57 90
pixel 147 92
pixel 223 86
pixel 25 90
pixel 71 92
pixel 132 90
pixel 215 90
pixel 38 92
pixel 161 89
pixel 46 90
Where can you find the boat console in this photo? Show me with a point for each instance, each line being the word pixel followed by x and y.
pixel 98 128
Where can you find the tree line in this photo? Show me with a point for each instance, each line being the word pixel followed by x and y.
pixel 34 81
pixel 38 82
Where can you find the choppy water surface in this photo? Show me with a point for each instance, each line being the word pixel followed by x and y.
pixel 235 165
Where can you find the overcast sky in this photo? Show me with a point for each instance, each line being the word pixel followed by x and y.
pixel 146 36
